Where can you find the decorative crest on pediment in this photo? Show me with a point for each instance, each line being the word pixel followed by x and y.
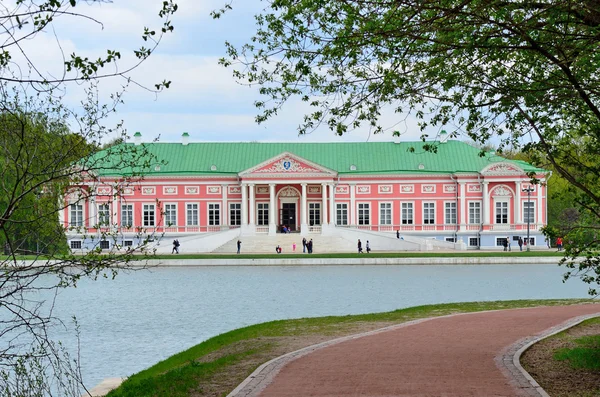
pixel 502 169
pixel 286 164
pixel 501 191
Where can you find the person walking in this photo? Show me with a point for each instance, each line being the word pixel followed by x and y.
pixel 239 246
pixel 304 245
pixel 398 234
pixel 368 247
pixel 309 245
pixel 175 249
pixel 294 247
pixel 559 243
pixel 520 242
pixel 505 244
pixel 359 246
pixel 508 242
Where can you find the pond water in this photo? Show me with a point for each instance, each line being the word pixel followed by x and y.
pixel 142 317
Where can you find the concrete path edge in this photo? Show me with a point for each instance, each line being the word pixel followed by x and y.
pixel 507 361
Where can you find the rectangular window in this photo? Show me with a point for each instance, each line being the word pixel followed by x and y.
pixel 450 211
pixel 407 213
pixel 385 213
pixel 149 214
pixel 235 214
pixel 501 212
pixel 170 215
pixel 214 214
pixel 263 214
pixel 314 214
pixel 76 215
pixel 104 245
pixel 75 245
pixel 128 243
pixel 127 215
pixel 500 241
pixel 192 214
pixel 473 242
pixel 341 216
pixel 475 213
pixel 450 239
pixel 104 214
pixel 529 212
pixel 364 214
pixel 429 213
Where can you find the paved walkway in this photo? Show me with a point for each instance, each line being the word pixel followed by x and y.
pixel 458 355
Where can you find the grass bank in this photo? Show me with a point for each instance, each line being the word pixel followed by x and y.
pixel 215 367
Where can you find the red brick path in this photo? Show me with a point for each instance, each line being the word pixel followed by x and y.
pixel 451 356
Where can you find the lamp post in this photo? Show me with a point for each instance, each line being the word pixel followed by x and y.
pixel 528 190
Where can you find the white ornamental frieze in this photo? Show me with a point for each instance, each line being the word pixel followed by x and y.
pixel 288 192
pixel 501 191
pixel 427 188
pixel 128 191
pixel 262 189
pixel 191 190
pixel 385 189
pixel 502 168
pixel 148 190
pixel 314 189
pixel 341 189
pixel 407 188
pixel 104 191
pixel 235 190
pixel 449 188
pixel 170 190
pixel 287 165
pixel 213 189
pixel 474 188
pixel 363 189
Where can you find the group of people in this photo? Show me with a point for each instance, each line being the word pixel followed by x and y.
pixel 360 249
pixel 307 245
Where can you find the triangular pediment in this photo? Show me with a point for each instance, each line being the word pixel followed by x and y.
pixel 502 168
pixel 288 164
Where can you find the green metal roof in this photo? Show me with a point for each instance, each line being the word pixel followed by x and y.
pixel 369 158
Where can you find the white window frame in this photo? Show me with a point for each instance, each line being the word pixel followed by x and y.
pixel 363 209
pixel 149 208
pixel 314 209
pixel 507 203
pixel 341 213
pixel 128 210
pixel 410 208
pixel 235 214
pixel 262 219
pixel 476 212
pixel 428 219
pixel 477 239
pixel 104 214
pixel 531 211
pixel 192 214
pixel 385 213
pixel 76 211
pixel 449 214
pixel 170 214
pixel 213 212
pixel 76 242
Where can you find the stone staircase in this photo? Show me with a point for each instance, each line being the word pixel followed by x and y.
pixel 261 244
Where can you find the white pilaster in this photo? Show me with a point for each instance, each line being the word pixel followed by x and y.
pixel 272 211
pixel 351 213
pixel 244 227
pixel 252 208
pixel 324 206
pixel 303 211
pixel 462 206
pixel 486 204
pixel 225 210
pixel 538 218
pixel 518 203
pixel 332 213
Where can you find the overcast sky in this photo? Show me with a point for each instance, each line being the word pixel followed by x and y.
pixel 204 99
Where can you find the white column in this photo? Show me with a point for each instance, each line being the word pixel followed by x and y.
pixel 114 208
pixel 517 203
pixel 92 218
pixel 462 206
pixel 272 211
pixel 252 208
pixel 351 214
pixel 303 211
pixel 225 210
pixel 332 213
pixel 244 205
pixel 538 218
pixel 486 204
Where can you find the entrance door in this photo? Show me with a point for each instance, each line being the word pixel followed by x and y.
pixel 288 215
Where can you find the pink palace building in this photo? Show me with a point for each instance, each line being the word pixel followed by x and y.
pixel 384 191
